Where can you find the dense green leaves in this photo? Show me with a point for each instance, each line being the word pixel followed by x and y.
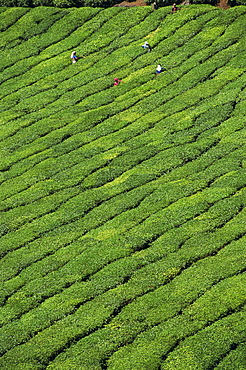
pixel 122 229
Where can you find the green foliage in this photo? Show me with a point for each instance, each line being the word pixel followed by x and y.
pixel 122 229
pixel 10 16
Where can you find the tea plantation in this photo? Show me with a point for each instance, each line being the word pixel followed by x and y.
pixel 123 219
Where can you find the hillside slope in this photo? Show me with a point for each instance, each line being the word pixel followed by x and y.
pixel 123 207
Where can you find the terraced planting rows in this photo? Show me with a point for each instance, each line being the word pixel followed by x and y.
pixel 123 207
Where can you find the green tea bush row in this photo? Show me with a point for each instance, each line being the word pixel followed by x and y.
pixel 35 22
pixel 8 17
pixel 235 357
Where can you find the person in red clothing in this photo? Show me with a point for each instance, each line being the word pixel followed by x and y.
pixel 174 8
pixel 117 81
